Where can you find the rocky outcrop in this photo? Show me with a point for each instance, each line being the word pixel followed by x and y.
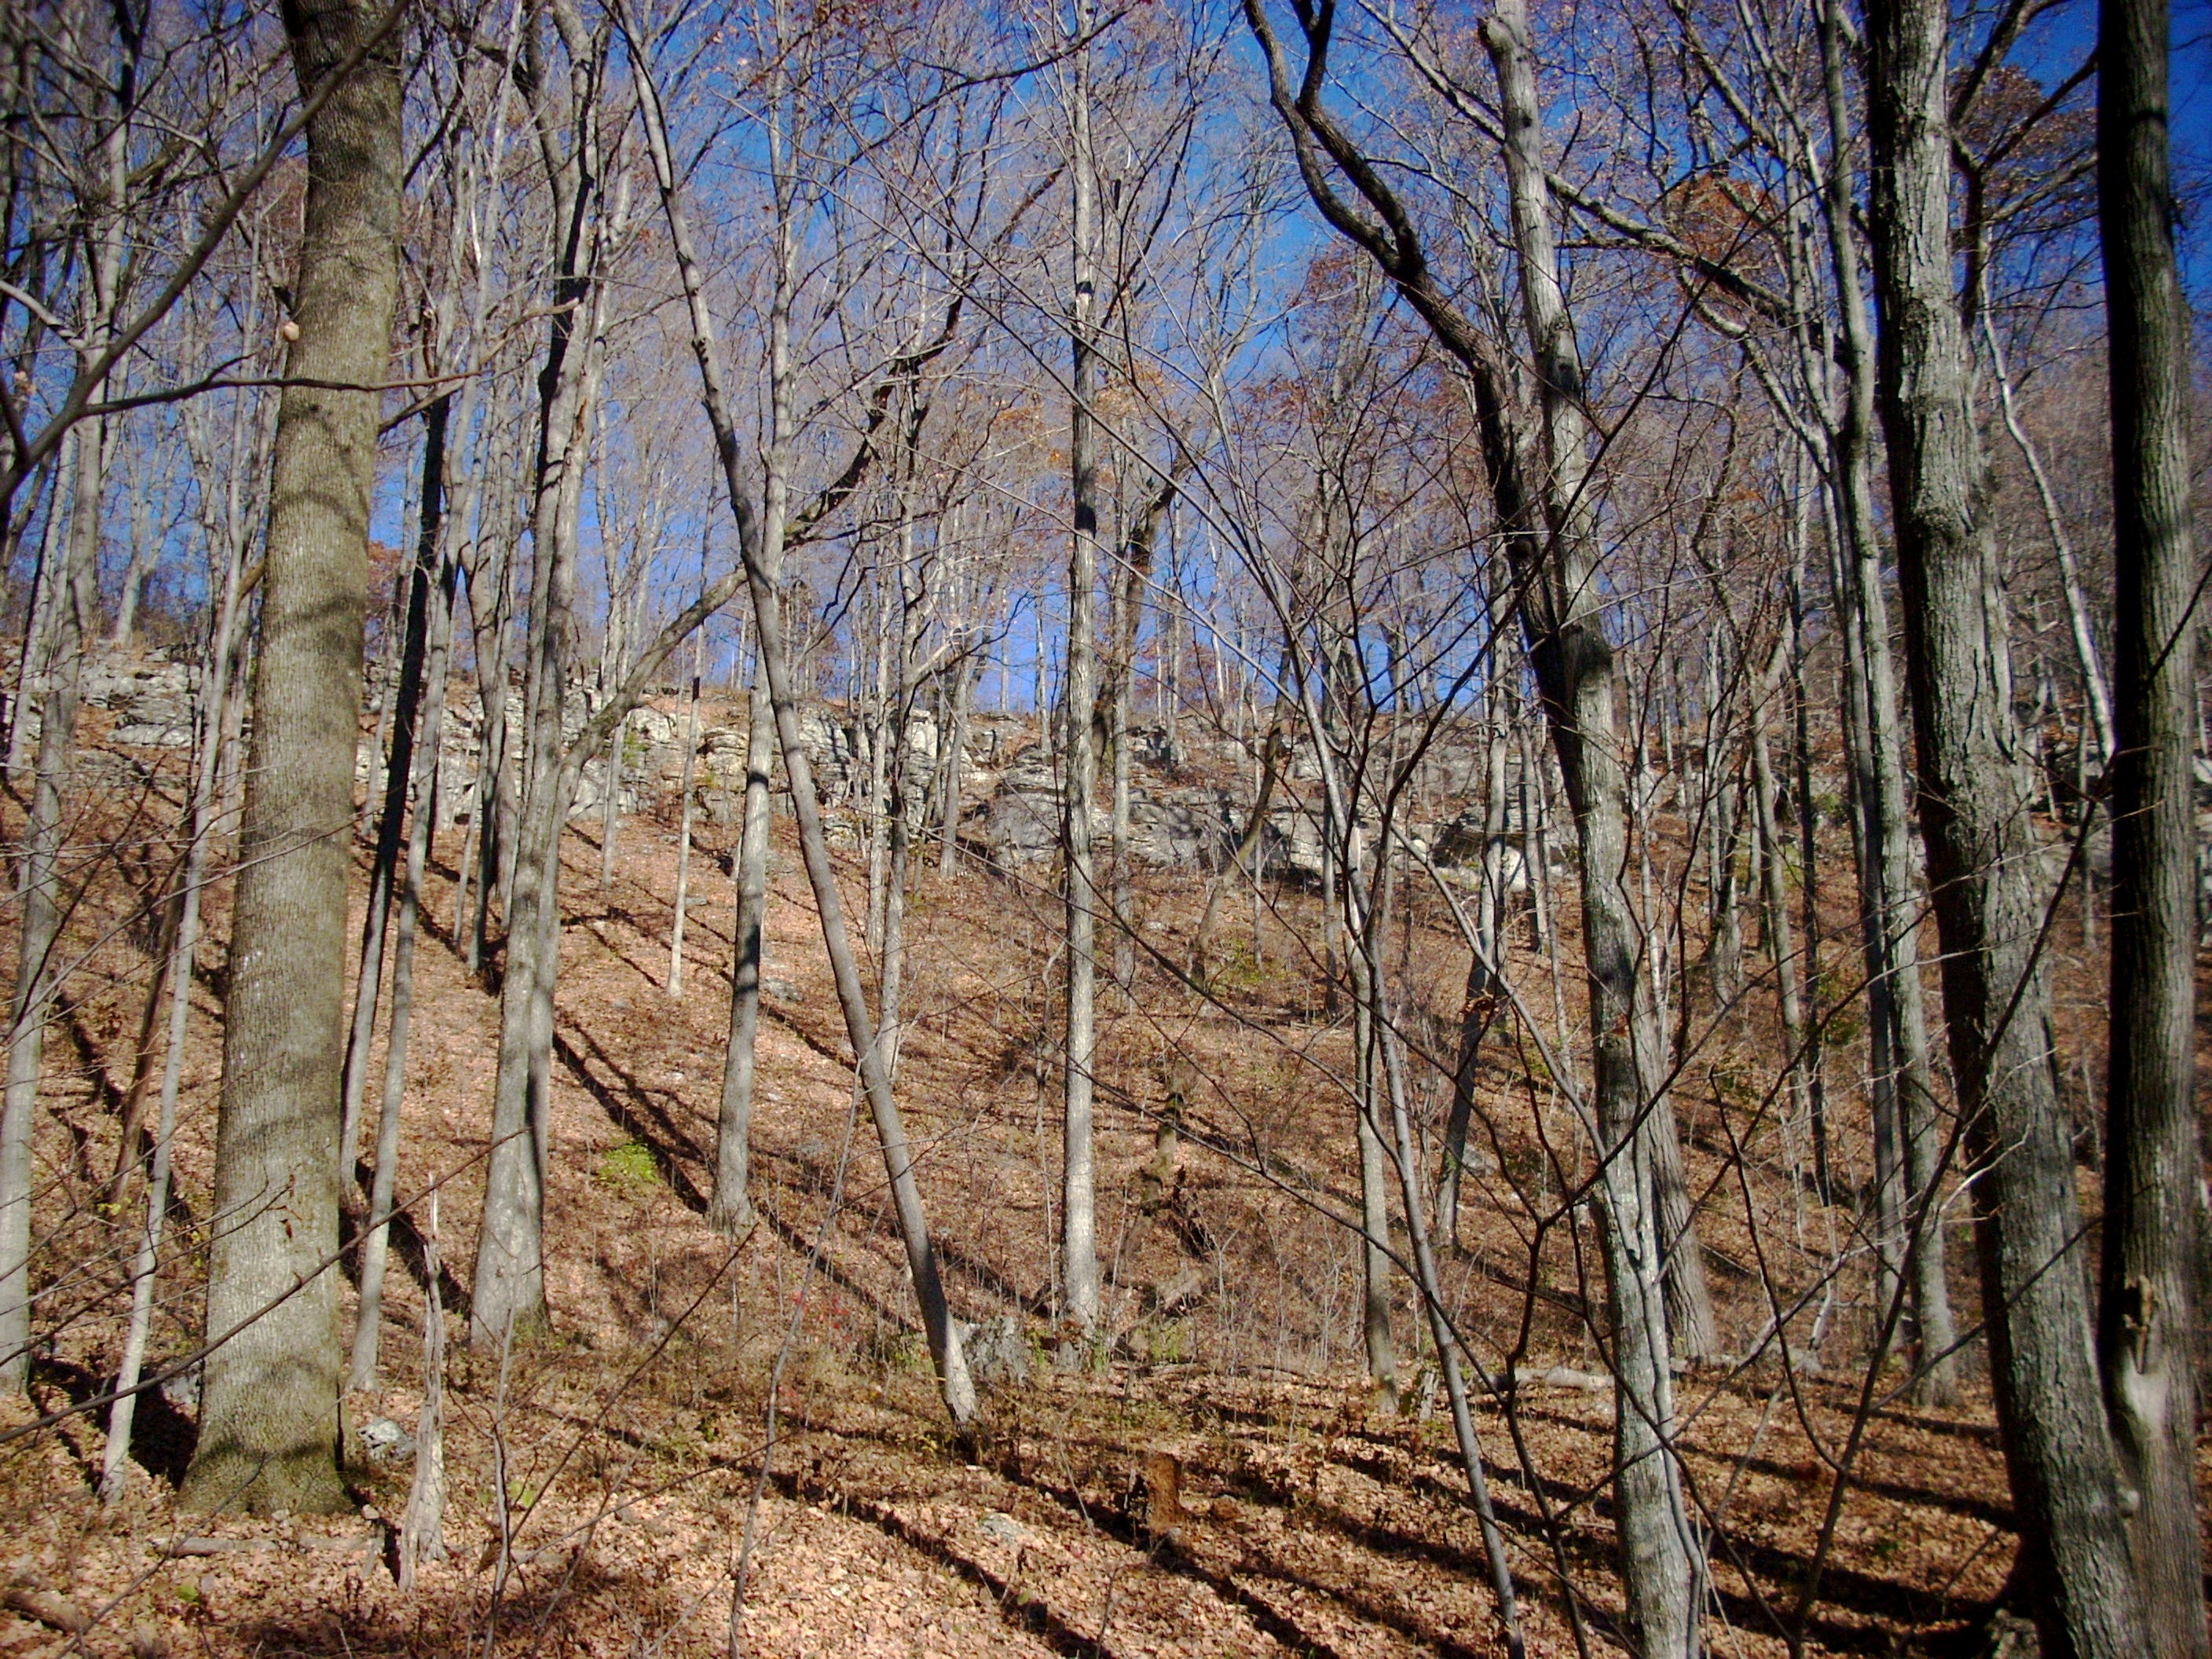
pixel 151 699
pixel 1188 800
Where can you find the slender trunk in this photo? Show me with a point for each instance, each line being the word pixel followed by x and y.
pixel 199 827
pixel 1479 1003
pixel 1441 1335
pixel 1374 1188
pixel 953 761
pixel 422 1524
pixel 891 979
pixel 1812 1059
pixel 368 1324
pixel 2154 1171
pixel 1078 1203
pixel 875 723
pixel 508 1296
pixel 269 1422
pixel 2086 659
pixel 610 803
pixel 38 645
pixel 1243 858
pixel 495 790
pixel 683 838
pixel 40 898
pixel 403 706
pixel 1573 660
pixel 1890 822
pixel 955 1386
pixel 141 566
pixel 1976 804
pixel 1781 944
pixel 732 1212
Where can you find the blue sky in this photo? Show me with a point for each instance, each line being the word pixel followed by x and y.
pixel 2192 139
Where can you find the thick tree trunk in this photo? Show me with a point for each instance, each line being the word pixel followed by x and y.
pixel 269 1424
pixel 1975 806
pixel 2154 1168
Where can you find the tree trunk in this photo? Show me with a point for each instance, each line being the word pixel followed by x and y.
pixel 1374 1188
pixel 402 707
pixel 376 1245
pixel 955 1387
pixel 1443 1337
pixel 1078 1199
pixel 1573 661
pixel 683 838
pixel 268 1423
pixel 73 620
pixel 1975 802
pixel 611 804
pixel 508 1295
pixel 953 756
pixel 1896 997
pixel 2154 1171
pixel 199 829
pixel 732 1211
pixel 1479 1003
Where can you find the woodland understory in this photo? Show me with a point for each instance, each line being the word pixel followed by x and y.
pixel 1315 1520
pixel 1204 828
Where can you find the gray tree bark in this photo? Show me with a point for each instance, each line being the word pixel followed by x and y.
pixel 1601 813
pixel 1976 812
pixel 1562 626
pixel 955 1387
pixel 269 1424
pixel 74 617
pixel 2153 1167
pixel 1078 1180
pixel 199 831
pixel 1896 998
pixel 508 1295
pixel 376 1243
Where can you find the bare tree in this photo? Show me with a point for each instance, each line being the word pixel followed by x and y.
pixel 269 1427
pixel 1547 520
pixel 2147 1333
pixel 1975 815
pixel 958 1391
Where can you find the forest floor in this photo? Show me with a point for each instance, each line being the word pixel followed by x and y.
pixel 608 1484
